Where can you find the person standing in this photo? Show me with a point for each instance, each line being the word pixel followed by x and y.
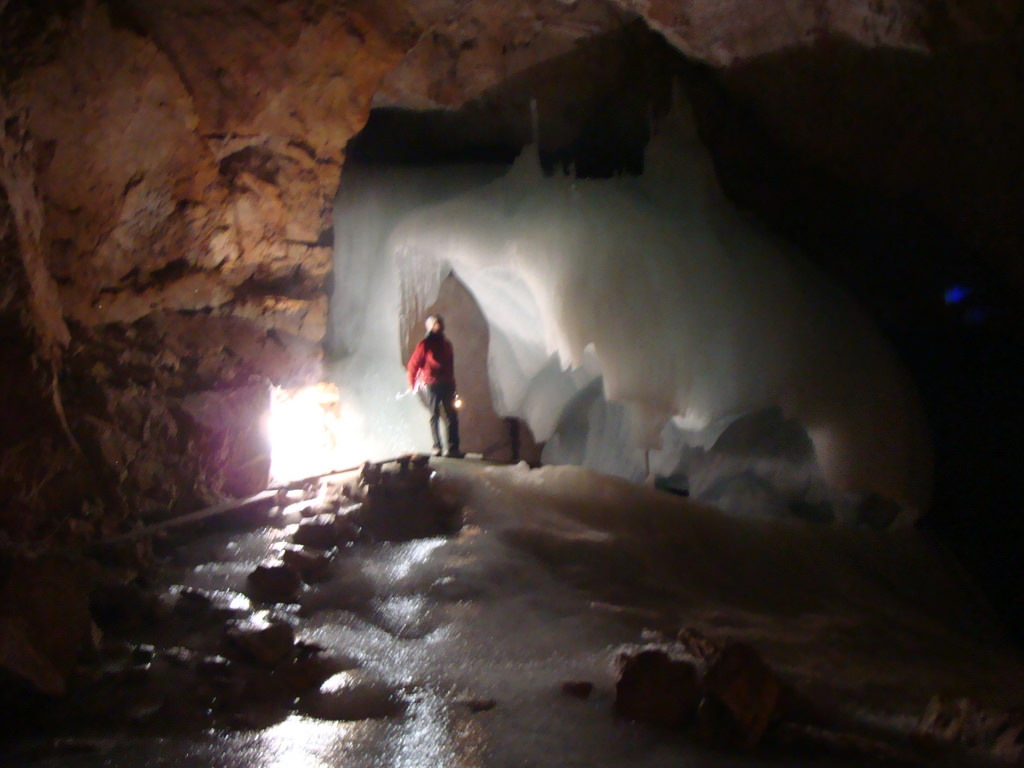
pixel 431 369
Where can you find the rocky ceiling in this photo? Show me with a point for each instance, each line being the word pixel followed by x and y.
pixel 167 171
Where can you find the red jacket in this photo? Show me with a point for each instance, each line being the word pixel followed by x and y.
pixel 432 362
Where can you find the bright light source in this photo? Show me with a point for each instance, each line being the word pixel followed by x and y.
pixel 458 401
pixel 308 427
pixel 955 294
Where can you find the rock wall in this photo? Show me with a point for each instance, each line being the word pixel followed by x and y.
pixel 728 32
pixel 169 171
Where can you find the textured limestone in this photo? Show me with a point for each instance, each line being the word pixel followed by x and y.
pixel 729 31
pixel 468 48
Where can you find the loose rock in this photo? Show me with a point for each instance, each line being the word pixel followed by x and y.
pixel 351 696
pixel 274 581
pixel 741 697
pixel 654 688
pixel 313 567
pixel 264 644
pixel 318 532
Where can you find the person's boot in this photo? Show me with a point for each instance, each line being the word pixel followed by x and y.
pixel 454 453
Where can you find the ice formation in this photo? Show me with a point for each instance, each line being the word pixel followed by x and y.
pixel 687 314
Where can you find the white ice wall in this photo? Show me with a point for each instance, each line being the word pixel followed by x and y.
pixel 658 284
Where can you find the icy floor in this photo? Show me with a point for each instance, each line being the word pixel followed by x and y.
pixel 554 569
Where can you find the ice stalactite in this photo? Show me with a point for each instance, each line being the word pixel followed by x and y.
pixel 688 313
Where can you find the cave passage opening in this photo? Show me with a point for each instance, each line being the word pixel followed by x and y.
pixel 629 316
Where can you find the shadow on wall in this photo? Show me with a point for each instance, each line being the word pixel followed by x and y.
pixel 483 430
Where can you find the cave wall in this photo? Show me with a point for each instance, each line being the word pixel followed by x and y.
pixel 168 170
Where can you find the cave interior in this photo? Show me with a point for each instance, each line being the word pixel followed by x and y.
pixel 173 235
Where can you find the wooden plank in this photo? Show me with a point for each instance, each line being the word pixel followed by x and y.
pixel 223 507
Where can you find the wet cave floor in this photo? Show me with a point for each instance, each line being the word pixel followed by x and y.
pixel 492 639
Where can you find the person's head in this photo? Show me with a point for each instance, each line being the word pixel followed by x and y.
pixel 435 324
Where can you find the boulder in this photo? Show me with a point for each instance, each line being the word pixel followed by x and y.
pixel 318 532
pixel 475 704
pixel 274 581
pixel 312 566
pixel 741 698
pixel 657 689
pixel 400 506
pixel 265 644
pixel 353 696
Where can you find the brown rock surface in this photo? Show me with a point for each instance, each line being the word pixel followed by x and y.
pixel 727 31
pixel 161 160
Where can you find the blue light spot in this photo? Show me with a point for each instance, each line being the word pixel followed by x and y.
pixel 957 293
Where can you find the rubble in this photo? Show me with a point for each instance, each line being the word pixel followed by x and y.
pixel 199 656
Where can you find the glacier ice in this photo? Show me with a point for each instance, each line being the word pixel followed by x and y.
pixel 652 298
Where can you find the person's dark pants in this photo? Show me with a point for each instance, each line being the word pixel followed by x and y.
pixel 441 399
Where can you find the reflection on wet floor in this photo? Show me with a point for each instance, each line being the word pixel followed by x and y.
pixel 453 650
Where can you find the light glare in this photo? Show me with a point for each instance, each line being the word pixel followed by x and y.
pixel 308 429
